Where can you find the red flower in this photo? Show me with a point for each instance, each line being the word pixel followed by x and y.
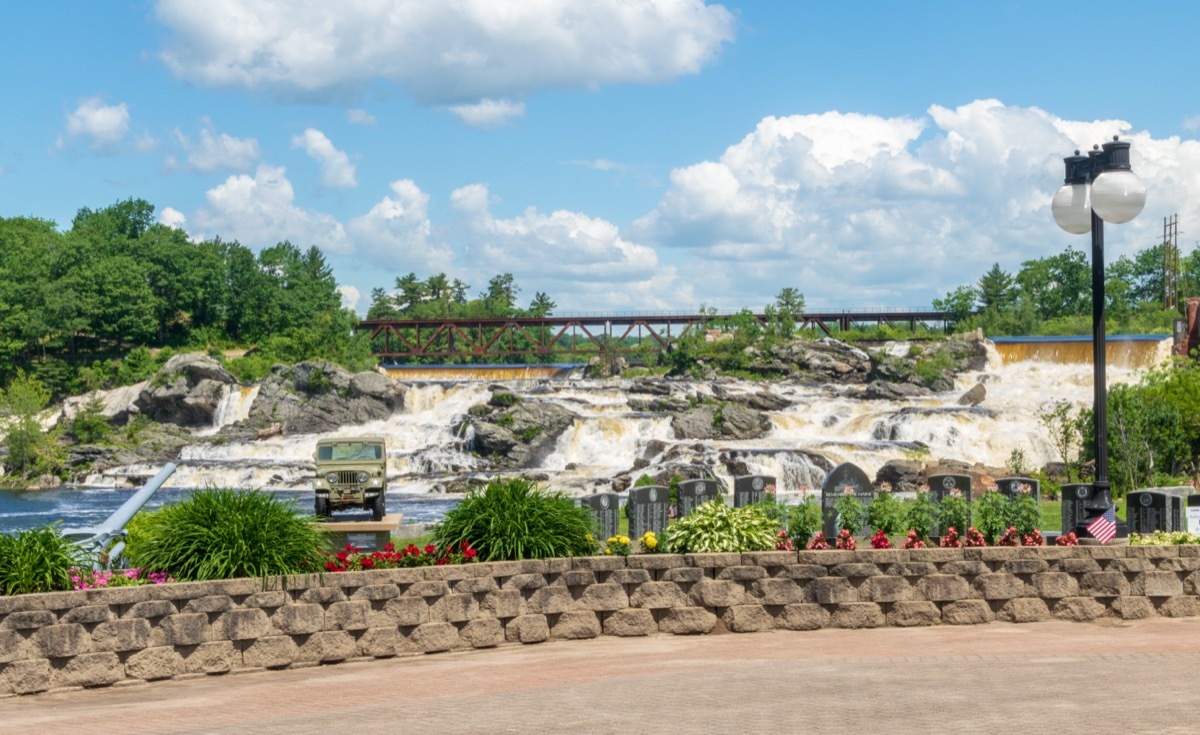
pixel 880 541
pixel 430 549
pixel 818 543
pixel 469 553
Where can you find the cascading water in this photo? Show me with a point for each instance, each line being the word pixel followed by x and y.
pixel 429 442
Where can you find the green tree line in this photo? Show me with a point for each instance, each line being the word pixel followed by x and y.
pixel 1053 295
pixel 116 285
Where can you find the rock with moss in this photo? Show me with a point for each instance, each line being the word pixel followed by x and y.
pixel 520 435
pixel 319 396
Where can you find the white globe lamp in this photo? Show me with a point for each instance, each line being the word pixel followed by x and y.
pixel 1072 208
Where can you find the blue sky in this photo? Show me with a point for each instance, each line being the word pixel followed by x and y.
pixel 628 155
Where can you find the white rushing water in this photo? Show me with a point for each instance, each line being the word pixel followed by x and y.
pixel 430 440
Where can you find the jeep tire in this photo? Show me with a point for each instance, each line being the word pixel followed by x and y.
pixel 321 507
pixel 378 507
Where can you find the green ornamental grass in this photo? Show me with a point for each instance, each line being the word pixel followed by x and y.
pixel 514 519
pixel 220 533
pixel 38 560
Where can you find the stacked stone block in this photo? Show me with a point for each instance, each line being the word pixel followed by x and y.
pixel 103 637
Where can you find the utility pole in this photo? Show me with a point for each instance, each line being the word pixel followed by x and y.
pixel 1171 262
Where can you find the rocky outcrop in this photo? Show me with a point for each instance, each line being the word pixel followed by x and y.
pixel 881 390
pixel 725 420
pixel 185 391
pixel 812 361
pixel 520 434
pixel 974 396
pixel 318 396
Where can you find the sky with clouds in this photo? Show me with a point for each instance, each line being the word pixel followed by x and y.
pixel 619 155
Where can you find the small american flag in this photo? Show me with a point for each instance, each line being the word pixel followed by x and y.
pixel 1102 529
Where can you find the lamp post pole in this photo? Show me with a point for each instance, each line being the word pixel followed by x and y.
pixel 1099 187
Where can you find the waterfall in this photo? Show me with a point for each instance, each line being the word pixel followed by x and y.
pixel 821 426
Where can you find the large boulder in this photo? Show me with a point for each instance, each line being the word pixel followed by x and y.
pixel 185 391
pixel 725 419
pixel 318 396
pixel 518 435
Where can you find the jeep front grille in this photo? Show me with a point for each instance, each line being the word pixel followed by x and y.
pixel 347 477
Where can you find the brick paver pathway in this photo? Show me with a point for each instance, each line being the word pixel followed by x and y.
pixel 1109 677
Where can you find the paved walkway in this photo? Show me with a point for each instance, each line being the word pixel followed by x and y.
pixel 1111 677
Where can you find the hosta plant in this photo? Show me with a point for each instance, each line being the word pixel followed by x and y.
pixel 714 526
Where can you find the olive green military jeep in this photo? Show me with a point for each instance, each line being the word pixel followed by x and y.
pixel 351 473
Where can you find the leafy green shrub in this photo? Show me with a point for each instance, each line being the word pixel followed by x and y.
pixel 804 520
pixel 954 512
pixel 714 526
pixel 220 533
pixel 504 399
pixel 514 519
pixel 884 513
pixel 993 511
pixel 38 560
pixel 921 515
pixel 1025 513
pixel 850 512
pixel 90 426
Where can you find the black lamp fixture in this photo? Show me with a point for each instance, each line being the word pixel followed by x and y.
pixel 1100 187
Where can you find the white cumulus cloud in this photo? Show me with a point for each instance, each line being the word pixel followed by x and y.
pixel 441 53
pixel 488 113
pixel 102 125
pixel 260 211
pixel 564 246
pixel 359 117
pixel 350 296
pixel 218 151
pixel 172 217
pixel 861 209
pixel 397 234
pixel 336 169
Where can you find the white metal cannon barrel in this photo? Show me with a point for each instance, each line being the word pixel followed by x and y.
pixel 96 538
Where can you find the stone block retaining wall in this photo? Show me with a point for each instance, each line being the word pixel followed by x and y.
pixel 103 637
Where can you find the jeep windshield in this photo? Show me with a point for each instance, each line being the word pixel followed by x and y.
pixel 351 452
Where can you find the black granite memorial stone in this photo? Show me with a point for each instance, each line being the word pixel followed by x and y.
pixel 843 479
pixel 1012 487
pixel 749 489
pixel 944 486
pixel 692 493
pixel 1148 511
pixel 606 506
pixel 1075 498
pixel 648 508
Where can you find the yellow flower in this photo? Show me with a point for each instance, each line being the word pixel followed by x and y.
pixel 651 542
pixel 612 540
pixel 590 537
pixel 624 539
pixel 608 551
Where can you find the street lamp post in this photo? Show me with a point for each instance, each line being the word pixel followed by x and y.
pixel 1100 187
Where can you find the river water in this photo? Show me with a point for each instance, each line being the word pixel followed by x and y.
pixel 821 425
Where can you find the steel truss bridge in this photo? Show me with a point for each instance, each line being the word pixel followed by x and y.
pixel 609 334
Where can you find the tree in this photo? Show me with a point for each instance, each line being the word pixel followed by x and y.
pixel 542 305
pixel 994 290
pixel 1060 285
pixel 958 304
pixel 501 294
pixel 790 301
pixel 1062 429
pixel 30 452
